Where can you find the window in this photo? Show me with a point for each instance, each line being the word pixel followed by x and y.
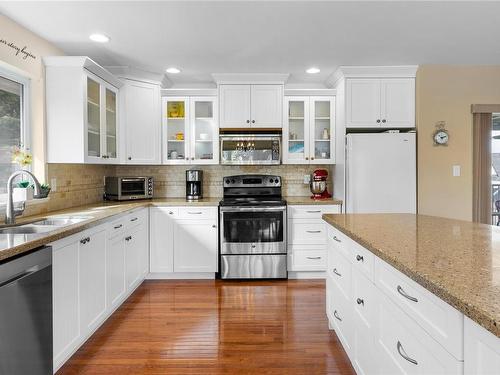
pixel 13 122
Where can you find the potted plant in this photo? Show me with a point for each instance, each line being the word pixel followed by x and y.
pixel 22 191
pixel 45 190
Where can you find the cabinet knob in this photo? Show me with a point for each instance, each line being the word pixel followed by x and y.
pixel 312 157
pixel 83 241
pixel 360 301
pixel 253 121
pixel 384 121
pixel 192 157
pixel 378 121
pixel 129 158
pixel 187 158
pixel 307 158
pixel 214 226
pixel 248 121
pixel 359 258
pixel 170 213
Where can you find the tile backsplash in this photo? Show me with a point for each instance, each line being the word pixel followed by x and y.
pixel 79 184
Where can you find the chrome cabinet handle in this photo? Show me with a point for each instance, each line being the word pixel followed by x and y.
pixel 313 257
pixel 403 354
pixel 88 239
pixel 248 121
pixel 335 238
pixel 336 315
pixel 403 293
pixel 83 241
pixel 313 212
pixel 170 213
pixel 134 219
pixel 384 121
pixel 378 121
pixel 214 226
pixel 118 226
pixel 129 158
pixel 128 238
pixel 195 213
pixel 360 301
pixel 337 272
pixel 253 121
pixel 313 231
pixel 359 258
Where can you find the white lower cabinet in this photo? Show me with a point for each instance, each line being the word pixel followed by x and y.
pixel 481 350
pixel 93 272
pixel 183 240
pixel 387 323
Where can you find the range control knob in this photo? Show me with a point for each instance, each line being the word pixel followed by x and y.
pixel 227 181
pixel 276 181
pixel 232 181
pixel 271 180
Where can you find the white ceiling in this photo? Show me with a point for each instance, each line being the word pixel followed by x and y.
pixel 207 37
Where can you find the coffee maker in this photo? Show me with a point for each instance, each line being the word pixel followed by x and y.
pixel 318 184
pixel 194 184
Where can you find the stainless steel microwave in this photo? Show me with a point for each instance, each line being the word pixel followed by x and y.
pixel 128 188
pixel 249 149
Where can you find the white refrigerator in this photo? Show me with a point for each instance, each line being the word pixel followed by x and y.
pixel 380 173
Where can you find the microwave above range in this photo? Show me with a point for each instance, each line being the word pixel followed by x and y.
pixel 250 149
pixel 128 188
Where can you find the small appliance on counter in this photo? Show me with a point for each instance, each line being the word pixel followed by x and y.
pixel 127 188
pixel 318 184
pixel 194 184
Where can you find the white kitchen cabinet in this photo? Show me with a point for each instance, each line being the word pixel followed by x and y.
pixel 307 237
pixel 83 125
pixel 195 246
pixel 251 105
pixel 481 350
pixel 115 271
pixel 135 242
pixel 309 130
pixel 380 103
pixel 66 326
pixel 190 131
pixel 162 220
pixel 183 240
pixel 92 279
pixel 141 122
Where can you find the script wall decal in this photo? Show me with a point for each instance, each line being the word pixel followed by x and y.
pixel 22 52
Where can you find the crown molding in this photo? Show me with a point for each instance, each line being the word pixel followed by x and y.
pixel 310 92
pixel 129 72
pixel 270 78
pixel 189 92
pixel 397 71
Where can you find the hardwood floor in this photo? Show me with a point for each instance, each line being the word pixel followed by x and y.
pixel 216 327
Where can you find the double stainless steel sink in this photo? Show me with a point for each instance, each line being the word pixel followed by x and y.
pixel 44 225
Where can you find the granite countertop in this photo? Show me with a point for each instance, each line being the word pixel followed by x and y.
pixel 458 261
pixel 307 200
pixel 16 244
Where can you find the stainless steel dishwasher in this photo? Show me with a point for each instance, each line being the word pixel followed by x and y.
pixel 26 314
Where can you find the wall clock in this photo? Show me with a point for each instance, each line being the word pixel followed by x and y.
pixel 441 136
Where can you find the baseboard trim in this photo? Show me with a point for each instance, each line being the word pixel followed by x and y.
pixel 181 276
pixel 306 274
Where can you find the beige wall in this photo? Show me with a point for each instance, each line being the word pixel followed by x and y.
pixel 445 93
pixel 32 68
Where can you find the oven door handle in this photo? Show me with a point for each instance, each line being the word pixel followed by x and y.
pixel 252 209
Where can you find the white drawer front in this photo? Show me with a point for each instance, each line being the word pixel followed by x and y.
pixel 362 259
pixel 116 227
pixel 309 260
pixel 311 211
pixel 405 348
pixel 137 218
pixel 436 317
pixel 198 212
pixel 304 232
pixel 339 268
pixel 339 241
pixel 340 315
pixel 363 297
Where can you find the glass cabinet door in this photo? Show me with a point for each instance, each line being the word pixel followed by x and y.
pixel 111 140
pixel 322 128
pixel 296 144
pixel 204 133
pixel 93 118
pixel 175 130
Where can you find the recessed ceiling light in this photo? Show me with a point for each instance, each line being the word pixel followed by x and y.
pixel 173 70
pixel 99 38
pixel 313 70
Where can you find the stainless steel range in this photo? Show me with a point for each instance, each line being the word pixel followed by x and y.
pixel 252 228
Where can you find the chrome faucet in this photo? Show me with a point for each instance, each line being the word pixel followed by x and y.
pixel 10 211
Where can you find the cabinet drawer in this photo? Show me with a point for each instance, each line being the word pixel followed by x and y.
pixel 363 297
pixel 304 232
pixel 198 212
pixel 339 313
pixel 405 348
pixel 311 211
pixel 339 242
pixel 339 268
pixel 441 321
pixel 137 218
pixel 309 260
pixel 117 227
pixel 362 259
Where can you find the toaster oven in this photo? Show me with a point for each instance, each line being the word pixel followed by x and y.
pixel 128 188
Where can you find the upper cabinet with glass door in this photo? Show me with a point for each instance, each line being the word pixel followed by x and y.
pixel 308 135
pixel 82 111
pixel 190 131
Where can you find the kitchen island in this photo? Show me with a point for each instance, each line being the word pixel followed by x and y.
pixel 434 280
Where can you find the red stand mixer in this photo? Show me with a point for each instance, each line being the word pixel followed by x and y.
pixel 318 184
